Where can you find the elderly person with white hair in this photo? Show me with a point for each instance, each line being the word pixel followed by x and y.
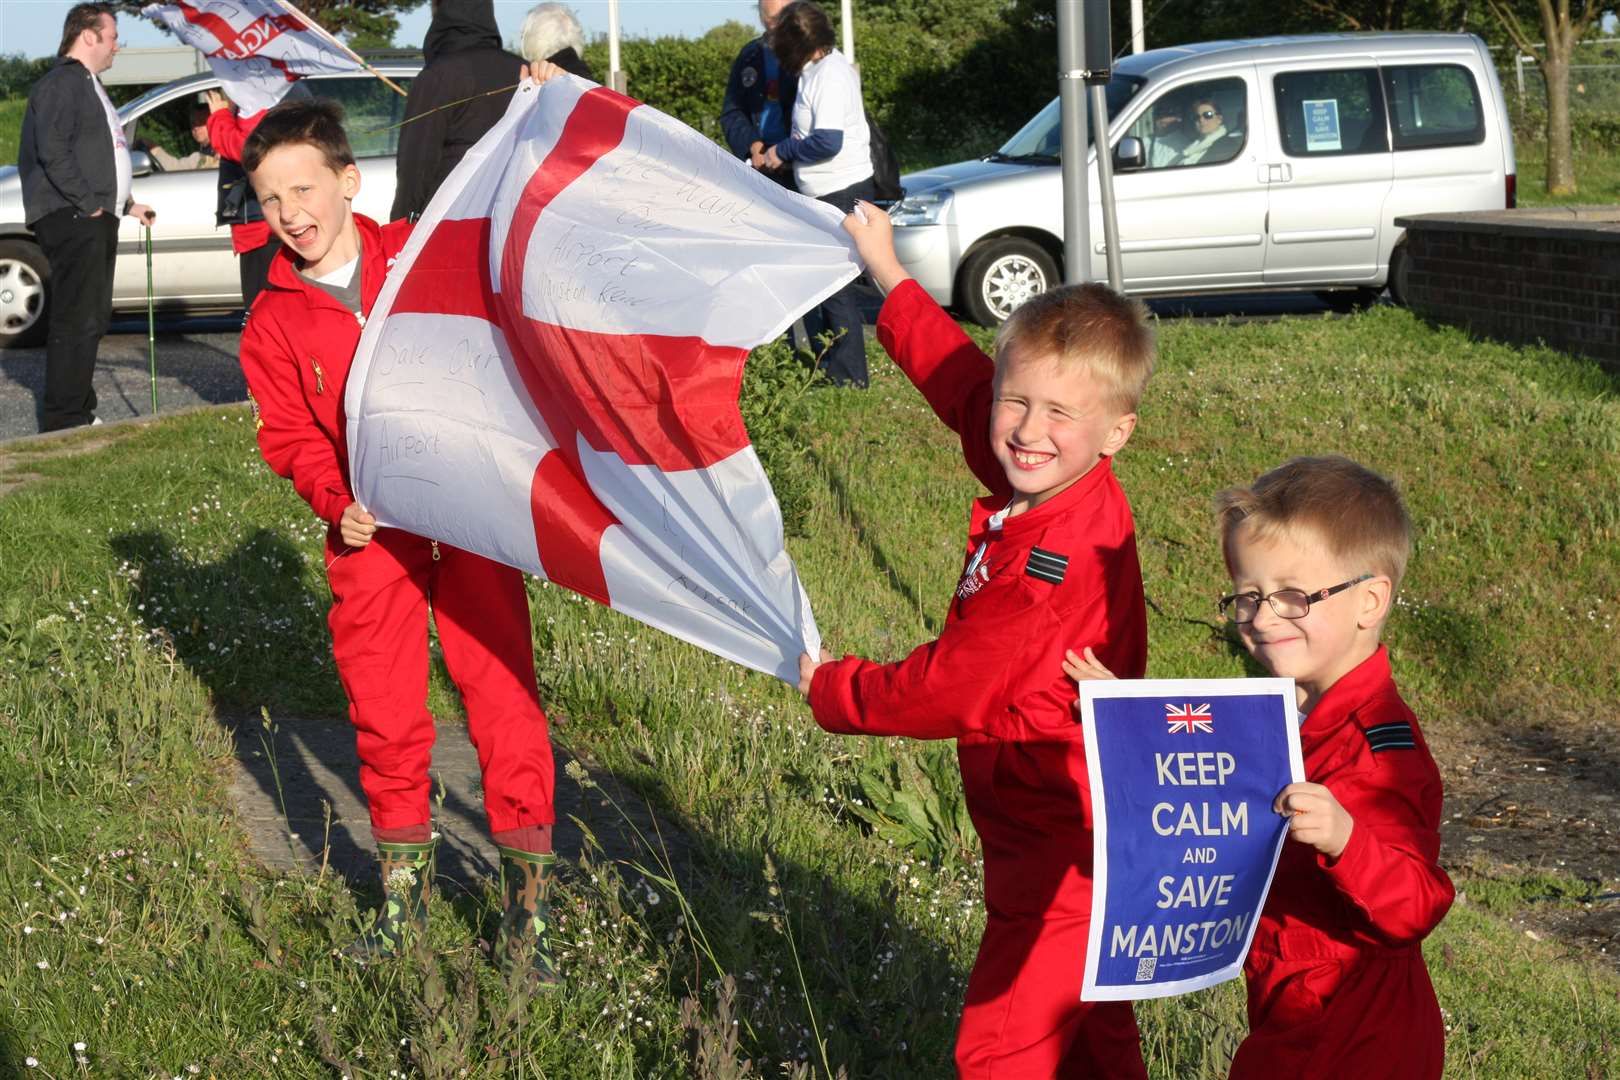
pixel 550 32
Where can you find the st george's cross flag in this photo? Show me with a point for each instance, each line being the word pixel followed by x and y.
pixel 550 375
pixel 258 48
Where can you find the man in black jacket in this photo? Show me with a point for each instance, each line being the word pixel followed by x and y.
pixel 464 58
pixel 758 110
pixel 76 175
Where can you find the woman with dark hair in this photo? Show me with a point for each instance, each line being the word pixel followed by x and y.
pixel 828 147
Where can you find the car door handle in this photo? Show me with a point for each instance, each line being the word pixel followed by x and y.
pixel 1275 173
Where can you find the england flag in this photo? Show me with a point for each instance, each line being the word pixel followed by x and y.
pixel 550 375
pixel 258 48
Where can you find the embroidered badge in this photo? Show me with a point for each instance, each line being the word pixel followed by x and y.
pixel 1392 736
pixel 1047 565
pixel 749 77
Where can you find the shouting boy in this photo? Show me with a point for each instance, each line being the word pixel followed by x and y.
pixel 300 337
pixel 1050 558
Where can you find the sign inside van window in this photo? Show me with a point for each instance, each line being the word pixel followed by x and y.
pixel 1321 125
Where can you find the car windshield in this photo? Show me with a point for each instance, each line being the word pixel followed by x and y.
pixel 1041 140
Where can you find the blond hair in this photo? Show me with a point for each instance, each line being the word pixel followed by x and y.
pixel 1088 326
pixel 1357 515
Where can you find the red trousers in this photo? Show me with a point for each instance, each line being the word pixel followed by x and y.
pixel 381 597
pixel 1023 1018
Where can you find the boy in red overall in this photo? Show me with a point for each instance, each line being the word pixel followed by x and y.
pixel 300 337
pixel 1050 559
pixel 1337 984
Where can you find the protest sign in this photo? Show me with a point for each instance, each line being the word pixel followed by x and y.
pixel 1183 776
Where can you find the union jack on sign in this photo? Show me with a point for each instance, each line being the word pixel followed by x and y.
pixel 1186 719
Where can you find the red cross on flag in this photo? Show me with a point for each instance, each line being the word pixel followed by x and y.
pixel 551 372
pixel 256 47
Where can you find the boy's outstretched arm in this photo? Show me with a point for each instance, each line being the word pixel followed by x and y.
pixel 874 239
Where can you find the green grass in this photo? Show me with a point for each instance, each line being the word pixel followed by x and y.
pixel 1597 176
pixel 123 565
pixel 11 118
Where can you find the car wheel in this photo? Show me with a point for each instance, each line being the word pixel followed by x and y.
pixel 1400 267
pixel 1003 274
pixel 24 275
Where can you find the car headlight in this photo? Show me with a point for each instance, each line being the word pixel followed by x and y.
pixel 924 208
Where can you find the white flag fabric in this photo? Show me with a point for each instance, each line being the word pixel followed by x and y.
pixel 550 375
pixel 258 48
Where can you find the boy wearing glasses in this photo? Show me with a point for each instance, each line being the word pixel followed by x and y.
pixel 1050 559
pixel 1337 983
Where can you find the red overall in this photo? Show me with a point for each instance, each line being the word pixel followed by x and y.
pixel 296 350
pixel 1337 984
pixel 1062 575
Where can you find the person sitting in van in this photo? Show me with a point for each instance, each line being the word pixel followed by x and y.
pixel 1210 142
pixel 1169 135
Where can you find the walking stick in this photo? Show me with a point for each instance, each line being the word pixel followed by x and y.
pixel 151 339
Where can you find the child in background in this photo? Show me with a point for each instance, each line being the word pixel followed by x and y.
pixel 297 345
pixel 1050 558
pixel 1337 984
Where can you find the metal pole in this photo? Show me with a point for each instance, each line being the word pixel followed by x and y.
pixel 616 79
pixel 1105 187
pixel 847 17
pixel 1138 36
pixel 151 337
pixel 1072 94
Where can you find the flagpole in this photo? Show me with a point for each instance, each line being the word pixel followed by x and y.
pixel 151 342
pixel 324 33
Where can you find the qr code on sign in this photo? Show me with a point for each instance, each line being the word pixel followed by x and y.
pixel 1144 968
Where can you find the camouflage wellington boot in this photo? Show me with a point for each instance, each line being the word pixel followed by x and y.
pixel 522 943
pixel 407 873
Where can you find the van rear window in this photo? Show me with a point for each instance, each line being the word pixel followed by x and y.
pixel 1330 113
pixel 1433 105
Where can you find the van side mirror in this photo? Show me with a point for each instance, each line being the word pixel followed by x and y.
pixel 1129 154
pixel 140 163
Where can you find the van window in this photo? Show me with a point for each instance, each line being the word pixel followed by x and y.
pixel 1433 105
pixel 1328 113
pixel 370 109
pixel 1202 123
pixel 1041 140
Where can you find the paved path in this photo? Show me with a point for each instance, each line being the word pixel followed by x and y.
pixel 283 783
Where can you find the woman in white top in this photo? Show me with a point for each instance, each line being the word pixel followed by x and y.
pixel 829 149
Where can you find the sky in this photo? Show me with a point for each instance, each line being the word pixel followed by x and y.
pixel 34 27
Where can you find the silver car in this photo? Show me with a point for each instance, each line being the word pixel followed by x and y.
pixel 193 269
pixel 1276 163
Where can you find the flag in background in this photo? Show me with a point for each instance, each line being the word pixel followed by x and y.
pixel 550 375
pixel 258 48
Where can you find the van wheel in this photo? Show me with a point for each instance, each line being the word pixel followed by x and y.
pixel 1400 269
pixel 24 274
pixel 1003 274
pixel 1347 301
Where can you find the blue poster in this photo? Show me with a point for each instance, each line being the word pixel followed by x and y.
pixel 1322 126
pixel 1183 776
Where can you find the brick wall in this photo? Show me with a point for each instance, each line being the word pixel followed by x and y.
pixel 1544 275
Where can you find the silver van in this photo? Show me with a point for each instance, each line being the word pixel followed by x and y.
pixel 1264 164
pixel 193 269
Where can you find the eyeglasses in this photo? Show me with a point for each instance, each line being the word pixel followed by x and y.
pixel 1207 114
pixel 1287 603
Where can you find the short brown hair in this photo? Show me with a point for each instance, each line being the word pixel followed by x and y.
pixel 82 17
pixel 314 122
pixel 801 30
pixel 1086 325
pixel 1357 515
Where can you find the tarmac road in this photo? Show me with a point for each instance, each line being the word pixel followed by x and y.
pixel 197 362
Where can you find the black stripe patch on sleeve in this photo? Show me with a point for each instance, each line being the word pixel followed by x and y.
pixel 1392 736
pixel 1047 565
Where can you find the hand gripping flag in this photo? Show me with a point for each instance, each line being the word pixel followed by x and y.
pixel 550 375
pixel 258 48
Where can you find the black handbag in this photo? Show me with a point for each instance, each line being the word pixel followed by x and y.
pixel 885 165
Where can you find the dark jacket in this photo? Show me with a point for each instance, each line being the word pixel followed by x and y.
pixel 66 156
pixel 571 62
pixel 464 58
pixel 746 95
